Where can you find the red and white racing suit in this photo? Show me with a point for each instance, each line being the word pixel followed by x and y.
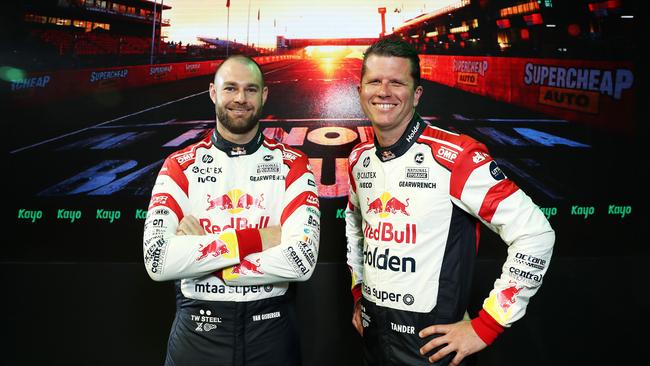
pixel 233 306
pixel 412 224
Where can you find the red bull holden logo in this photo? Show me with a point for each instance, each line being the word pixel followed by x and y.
pixel 235 201
pixel 386 205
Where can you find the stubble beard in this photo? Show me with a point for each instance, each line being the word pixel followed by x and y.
pixel 238 126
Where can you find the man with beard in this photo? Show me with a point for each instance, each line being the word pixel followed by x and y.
pixel 233 219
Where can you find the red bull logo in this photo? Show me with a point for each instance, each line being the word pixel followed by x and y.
pixel 506 298
pixel 387 232
pixel 237 223
pixel 244 201
pixel 247 267
pixel 386 205
pixel 214 248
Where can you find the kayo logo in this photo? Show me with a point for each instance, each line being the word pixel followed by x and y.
pixel 244 201
pixel 386 205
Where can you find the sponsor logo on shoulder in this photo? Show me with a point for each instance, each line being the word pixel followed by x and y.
pixel 447 154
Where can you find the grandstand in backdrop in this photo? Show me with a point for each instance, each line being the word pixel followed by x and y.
pixel 69 34
pixel 566 29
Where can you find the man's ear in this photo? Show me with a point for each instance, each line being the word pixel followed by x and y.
pixel 213 93
pixel 265 94
pixel 418 93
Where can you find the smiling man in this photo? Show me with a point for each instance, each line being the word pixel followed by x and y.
pixel 233 219
pixel 417 196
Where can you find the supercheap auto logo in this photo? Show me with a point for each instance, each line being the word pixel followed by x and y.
pixel 235 201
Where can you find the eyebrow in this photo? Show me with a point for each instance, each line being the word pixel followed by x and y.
pixel 233 83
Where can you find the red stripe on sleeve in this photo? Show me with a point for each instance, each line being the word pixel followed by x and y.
pixel 494 196
pixel 296 170
pixel 461 172
pixel 175 172
pixel 304 198
pixel 166 200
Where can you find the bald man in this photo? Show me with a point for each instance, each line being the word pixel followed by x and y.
pixel 233 220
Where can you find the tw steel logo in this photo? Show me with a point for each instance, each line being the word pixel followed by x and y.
pixel 386 204
pixel 215 248
pixel 244 201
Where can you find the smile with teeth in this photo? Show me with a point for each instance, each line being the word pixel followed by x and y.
pixel 385 106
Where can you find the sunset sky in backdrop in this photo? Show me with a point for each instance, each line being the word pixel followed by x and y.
pixel 293 18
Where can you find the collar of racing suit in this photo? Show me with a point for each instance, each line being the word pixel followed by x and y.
pixel 408 138
pixel 232 149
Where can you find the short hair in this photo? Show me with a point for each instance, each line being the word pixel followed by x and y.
pixel 395 47
pixel 245 59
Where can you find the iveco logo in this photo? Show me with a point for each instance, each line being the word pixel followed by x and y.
pixel 207 159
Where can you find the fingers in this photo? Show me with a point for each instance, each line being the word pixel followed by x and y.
pixel 434 343
pixel 189 225
pixel 356 322
pixel 434 329
pixel 356 318
pixel 441 354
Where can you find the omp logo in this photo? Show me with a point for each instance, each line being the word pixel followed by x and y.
pixel 386 204
pixel 184 158
pixel 287 155
pixel 244 201
pixel 448 154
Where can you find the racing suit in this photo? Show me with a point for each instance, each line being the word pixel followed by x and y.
pixel 233 303
pixel 412 224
